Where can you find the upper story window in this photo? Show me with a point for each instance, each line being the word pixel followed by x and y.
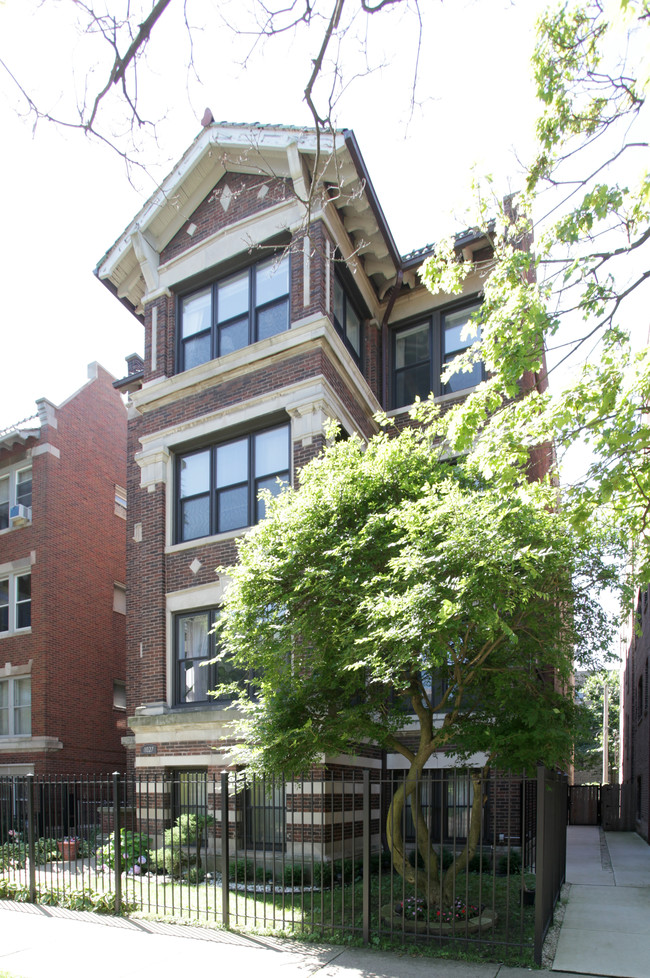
pixel 15 602
pixel 16 707
pixel 194 647
pixel 422 351
pixel 232 313
pixel 16 498
pixel 217 486
pixel 346 318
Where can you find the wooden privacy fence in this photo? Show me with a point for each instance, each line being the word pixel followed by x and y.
pixel 309 856
pixel 608 805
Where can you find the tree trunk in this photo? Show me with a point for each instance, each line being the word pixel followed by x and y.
pixel 429 881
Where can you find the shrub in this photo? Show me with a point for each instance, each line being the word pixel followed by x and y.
pixel 513 867
pixel 72 900
pixel 320 874
pixel 293 875
pixel 446 858
pixel 135 852
pixel 381 860
pixel 174 856
pixel 13 855
pixel 195 875
pixel 263 875
pixel 241 871
pixel 480 864
pixel 171 858
pixel 45 850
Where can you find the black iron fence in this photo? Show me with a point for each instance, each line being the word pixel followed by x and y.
pixel 350 854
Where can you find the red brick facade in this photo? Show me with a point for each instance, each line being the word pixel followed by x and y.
pixel 301 376
pixel 74 548
pixel 635 740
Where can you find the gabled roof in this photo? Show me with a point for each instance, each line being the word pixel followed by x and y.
pixel 281 151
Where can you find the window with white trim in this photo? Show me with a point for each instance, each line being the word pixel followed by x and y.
pixel 233 312
pixel 119 598
pixel 217 487
pixel 194 648
pixel 15 602
pixel 119 695
pixel 15 491
pixel 16 707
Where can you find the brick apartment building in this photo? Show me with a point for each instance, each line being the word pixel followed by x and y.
pixel 62 585
pixel 270 304
pixel 635 722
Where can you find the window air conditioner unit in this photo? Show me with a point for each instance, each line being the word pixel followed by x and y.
pixel 20 515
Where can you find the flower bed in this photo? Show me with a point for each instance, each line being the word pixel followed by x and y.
pixel 413 916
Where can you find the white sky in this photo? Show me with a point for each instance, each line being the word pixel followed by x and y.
pixel 67 198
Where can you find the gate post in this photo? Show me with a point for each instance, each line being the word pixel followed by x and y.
pixel 31 838
pixel 117 842
pixel 366 857
pixel 225 856
pixel 540 869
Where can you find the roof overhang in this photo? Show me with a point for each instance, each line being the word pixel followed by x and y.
pixel 331 163
pixel 12 437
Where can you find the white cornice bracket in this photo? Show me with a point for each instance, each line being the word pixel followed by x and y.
pixel 297 172
pixel 154 465
pixel 148 259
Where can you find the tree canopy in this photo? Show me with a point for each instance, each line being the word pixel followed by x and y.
pixel 589 742
pixel 393 588
pixel 577 296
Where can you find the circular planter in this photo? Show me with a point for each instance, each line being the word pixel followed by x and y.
pixel 486 919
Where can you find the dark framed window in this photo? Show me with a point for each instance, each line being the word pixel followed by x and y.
pixel 639 704
pixel 423 349
pixel 347 319
pixel 15 602
pixel 190 795
pixel 217 487
pixel 194 647
pixel 265 814
pixel 445 801
pixel 233 312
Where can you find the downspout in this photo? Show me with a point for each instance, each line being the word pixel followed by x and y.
pixel 384 338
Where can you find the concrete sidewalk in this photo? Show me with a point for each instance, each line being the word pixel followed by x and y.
pixel 604 932
pixel 48 942
pixel 606 929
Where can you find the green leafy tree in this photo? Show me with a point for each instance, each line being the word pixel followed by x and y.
pixel 393 587
pixel 587 203
pixel 589 745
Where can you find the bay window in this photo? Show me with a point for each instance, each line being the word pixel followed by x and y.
pixel 233 312
pixel 346 318
pixel 194 647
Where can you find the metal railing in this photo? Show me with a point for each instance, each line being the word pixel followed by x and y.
pixel 308 857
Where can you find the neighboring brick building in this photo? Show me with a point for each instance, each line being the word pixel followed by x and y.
pixel 263 318
pixel 635 722
pixel 62 585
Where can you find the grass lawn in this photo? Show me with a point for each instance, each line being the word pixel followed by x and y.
pixel 337 914
pixel 334 913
